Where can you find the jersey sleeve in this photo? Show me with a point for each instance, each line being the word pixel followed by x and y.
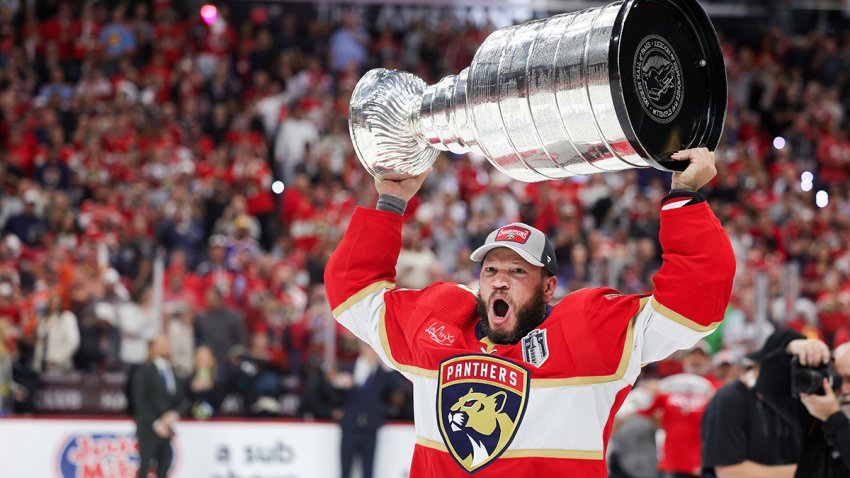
pixel 692 287
pixel 361 273
pixel 360 284
pixel 692 290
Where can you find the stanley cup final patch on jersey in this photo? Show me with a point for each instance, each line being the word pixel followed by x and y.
pixel 535 350
pixel 480 404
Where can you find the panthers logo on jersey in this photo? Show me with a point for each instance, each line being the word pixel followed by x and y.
pixel 480 405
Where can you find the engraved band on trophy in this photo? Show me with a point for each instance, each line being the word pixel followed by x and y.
pixel 604 89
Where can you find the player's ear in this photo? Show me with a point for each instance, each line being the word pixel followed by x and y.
pixel 550 283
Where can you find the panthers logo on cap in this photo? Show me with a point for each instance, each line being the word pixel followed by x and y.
pixel 480 404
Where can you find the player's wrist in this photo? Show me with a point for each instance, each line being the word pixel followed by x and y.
pixel 679 186
pixel 686 197
pixel 390 203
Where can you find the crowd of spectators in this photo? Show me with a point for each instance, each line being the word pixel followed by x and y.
pixel 136 132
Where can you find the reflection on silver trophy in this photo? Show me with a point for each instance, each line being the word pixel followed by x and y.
pixel 605 89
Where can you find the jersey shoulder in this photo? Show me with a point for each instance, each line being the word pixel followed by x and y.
pixel 455 302
pixel 596 327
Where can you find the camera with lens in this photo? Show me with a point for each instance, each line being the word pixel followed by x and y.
pixel 810 379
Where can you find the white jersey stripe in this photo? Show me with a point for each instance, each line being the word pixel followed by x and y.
pixel 536 453
pixel 664 332
pixel 545 424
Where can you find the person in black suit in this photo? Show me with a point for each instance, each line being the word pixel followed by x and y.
pixel 158 400
pixel 371 391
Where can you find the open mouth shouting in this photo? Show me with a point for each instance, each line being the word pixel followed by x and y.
pixel 500 311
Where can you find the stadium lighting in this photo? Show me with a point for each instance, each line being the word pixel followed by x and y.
pixel 779 142
pixel 806 186
pixel 209 13
pixel 807 177
pixel 277 187
pixel 822 198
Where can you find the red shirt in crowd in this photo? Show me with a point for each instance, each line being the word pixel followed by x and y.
pixel 681 419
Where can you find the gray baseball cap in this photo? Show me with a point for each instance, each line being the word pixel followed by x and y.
pixel 531 244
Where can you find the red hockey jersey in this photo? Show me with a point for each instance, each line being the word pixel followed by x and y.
pixel 543 406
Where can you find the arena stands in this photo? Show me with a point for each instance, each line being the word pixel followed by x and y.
pixel 141 143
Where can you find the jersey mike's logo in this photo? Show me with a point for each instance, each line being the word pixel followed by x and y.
pixel 93 455
pixel 514 234
pixel 480 404
pixel 658 79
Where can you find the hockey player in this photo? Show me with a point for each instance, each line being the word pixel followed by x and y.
pixel 504 383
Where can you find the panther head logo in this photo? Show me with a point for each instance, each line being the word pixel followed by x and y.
pixel 481 419
pixel 481 400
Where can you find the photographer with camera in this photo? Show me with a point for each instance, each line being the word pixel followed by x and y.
pixel 833 410
pixel 780 414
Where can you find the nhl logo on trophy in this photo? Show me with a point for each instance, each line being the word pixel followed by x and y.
pixel 604 89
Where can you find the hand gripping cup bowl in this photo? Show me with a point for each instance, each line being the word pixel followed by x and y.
pixel 605 89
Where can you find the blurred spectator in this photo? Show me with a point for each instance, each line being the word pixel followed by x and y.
pixel 56 87
pixel 295 137
pixel 216 260
pixel 348 45
pixel 369 392
pixel 100 339
pixel 219 327
pixel 114 291
pixel 323 396
pixel 679 405
pixel 257 376
pixel 243 242
pixel 236 217
pixel 181 333
pixel 117 38
pixel 132 255
pixel 57 337
pixel 742 331
pixel 28 226
pixel 139 325
pixel 159 401
pixel 10 307
pixel 632 448
pixel 728 367
pixel 206 384
pixel 8 388
pixel 417 265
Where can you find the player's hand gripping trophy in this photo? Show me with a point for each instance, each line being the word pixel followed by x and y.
pixel 604 89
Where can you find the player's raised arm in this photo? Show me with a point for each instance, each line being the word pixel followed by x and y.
pixel 693 286
pixel 362 268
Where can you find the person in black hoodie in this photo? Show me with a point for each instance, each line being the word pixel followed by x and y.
pixel 831 412
pixel 819 449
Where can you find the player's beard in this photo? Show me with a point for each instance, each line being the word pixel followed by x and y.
pixel 528 317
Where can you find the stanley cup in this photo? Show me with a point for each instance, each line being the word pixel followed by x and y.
pixel 605 89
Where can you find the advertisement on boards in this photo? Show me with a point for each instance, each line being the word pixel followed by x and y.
pixel 71 448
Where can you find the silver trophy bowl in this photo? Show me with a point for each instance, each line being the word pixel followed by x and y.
pixel 605 89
